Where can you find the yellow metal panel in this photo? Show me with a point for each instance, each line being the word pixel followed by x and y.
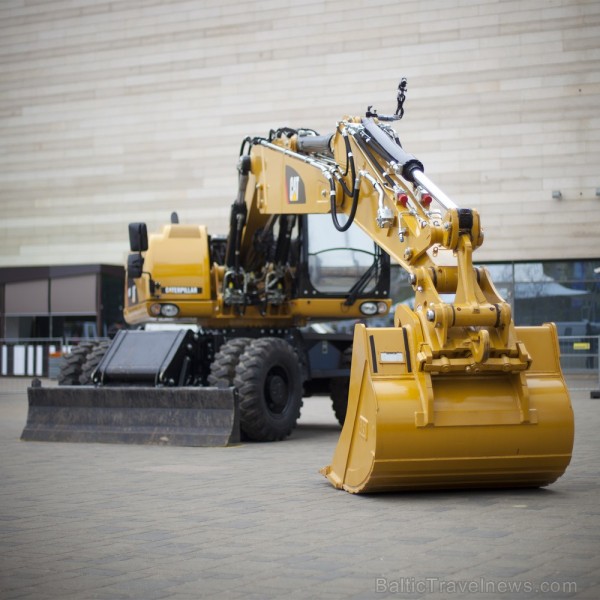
pixel 178 258
pixel 497 430
pixel 285 185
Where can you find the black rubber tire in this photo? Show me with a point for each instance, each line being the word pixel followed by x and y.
pixel 222 369
pixel 92 360
pixel 268 379
pixel 339 388
pixel 70 368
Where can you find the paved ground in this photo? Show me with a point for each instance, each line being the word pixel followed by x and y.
pixel 81 521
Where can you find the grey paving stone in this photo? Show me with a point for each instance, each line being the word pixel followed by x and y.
pixel 259 521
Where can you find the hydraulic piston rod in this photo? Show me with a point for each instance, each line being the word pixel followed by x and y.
pixel 428 185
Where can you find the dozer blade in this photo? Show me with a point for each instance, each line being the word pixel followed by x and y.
pixel 410 430
pixel 180 416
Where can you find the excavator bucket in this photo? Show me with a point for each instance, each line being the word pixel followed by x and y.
pixel 407 429
pixel 180 416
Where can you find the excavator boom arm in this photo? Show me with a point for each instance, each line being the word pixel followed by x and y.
pixel 362 172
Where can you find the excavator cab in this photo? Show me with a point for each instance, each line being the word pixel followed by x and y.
pixel 342 264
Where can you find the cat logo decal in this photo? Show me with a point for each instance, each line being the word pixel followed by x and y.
pixel 295 187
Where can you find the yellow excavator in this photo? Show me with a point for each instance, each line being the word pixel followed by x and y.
pixel 452 395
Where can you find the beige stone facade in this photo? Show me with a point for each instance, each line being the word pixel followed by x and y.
pixel 112 112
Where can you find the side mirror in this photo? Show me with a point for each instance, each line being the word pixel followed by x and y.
pixel 138 237
pixel 135 265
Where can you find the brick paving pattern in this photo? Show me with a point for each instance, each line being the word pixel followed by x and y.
pixel 258 521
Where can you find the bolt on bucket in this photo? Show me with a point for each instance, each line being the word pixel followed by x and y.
pixel 407 429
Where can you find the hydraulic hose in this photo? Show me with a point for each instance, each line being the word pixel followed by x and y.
pixel 353 208
pixel 353 193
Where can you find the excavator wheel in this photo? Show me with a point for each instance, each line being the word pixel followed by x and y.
pixel 268 379
pixel 222 369
pixel 70 369
pixel 339 388
pixel 92 360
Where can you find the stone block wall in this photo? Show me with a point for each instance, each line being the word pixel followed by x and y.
pixel 112 112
